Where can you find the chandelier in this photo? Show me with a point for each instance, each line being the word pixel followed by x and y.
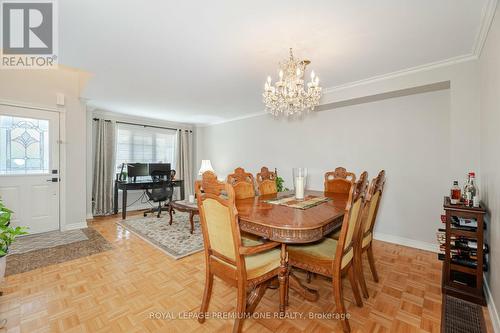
pixel 289 95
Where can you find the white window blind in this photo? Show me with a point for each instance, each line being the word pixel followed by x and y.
pixel 138 144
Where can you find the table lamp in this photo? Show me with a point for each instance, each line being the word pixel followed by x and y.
pixel 205 166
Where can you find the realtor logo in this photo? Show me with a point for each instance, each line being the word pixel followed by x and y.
pixel 29 36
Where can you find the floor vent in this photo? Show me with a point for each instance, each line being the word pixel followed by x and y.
pixel 460 316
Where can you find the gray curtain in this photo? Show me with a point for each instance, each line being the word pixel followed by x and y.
pixel 185 160
pixel 104 167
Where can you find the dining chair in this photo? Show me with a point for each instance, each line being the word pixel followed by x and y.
pixel 243 183
pixel 239 262
pixel 334 258
pixel 365 237
pixel 266 181
pixel 339 180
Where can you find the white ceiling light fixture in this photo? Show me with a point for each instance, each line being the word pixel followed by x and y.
pixel 289 95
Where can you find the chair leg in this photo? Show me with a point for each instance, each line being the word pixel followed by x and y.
pixel 170 210
pixel 287 286
pixel 240 308
pixel 354 286
pixel 358 268
pixel 371 261
pixel 207 294
pixel 339 302
pixel 159 209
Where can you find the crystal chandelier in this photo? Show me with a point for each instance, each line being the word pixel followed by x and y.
pixel 288 95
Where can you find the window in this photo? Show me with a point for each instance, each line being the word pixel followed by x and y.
pixel 137 144
pixel 24 145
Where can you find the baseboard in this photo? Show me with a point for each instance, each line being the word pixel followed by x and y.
pixel 492 309
pixel 74 226
pixel 129 209
pixel 406 242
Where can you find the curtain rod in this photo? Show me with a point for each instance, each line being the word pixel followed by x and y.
pixel 126 123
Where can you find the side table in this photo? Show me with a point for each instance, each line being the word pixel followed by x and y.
pixel 184 206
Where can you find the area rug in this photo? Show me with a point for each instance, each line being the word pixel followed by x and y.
pixel 460 316
pixel 55 253
pixel 175 240
pixel 45 240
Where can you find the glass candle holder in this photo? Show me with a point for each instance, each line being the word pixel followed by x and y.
pixel 299 182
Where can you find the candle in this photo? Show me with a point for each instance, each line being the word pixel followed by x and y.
pixel 299 187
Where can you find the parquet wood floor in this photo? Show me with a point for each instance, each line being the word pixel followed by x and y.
pixel 120 290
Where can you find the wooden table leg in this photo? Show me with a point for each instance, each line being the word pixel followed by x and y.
pixel 170 209
pixel 124 204
pixel 191 215
pixel 115 198
pixel 308 293
pixel 282 277
pixel 255 296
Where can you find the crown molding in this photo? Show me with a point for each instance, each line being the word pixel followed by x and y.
pixel 407 71
pixel 378 78
pixel 487 17
pixel 111 115
pixel 486 20
pixel 246 116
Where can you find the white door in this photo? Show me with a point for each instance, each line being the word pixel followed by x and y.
pixel 29 167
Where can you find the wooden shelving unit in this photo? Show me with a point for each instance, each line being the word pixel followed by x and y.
pixel 472 289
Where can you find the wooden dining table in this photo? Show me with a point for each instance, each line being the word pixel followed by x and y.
pixel 288 225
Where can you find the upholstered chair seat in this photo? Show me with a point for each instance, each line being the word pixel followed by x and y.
pixel 251 240
pixel 335 235
pixel 259 264
pixel 323 251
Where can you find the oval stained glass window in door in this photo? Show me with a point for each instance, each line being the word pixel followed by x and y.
pixel 24 145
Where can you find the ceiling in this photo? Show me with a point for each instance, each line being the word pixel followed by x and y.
pixel 207 61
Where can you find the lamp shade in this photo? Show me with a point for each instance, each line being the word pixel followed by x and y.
pixel 205 166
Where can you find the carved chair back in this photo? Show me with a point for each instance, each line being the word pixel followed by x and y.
pixel 218 219
pixel 266 180
pixel 351 223
pixel 243 183
pixel 373 198
pixel 339 180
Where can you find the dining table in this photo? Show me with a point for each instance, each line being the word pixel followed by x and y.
pixel 289 225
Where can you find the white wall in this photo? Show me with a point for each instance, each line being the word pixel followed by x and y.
pixel 424 142
pixel 464 106
pixel 490 156
pixel 39 88
pixel 406 136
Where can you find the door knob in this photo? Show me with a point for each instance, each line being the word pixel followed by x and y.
pixel 53 180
